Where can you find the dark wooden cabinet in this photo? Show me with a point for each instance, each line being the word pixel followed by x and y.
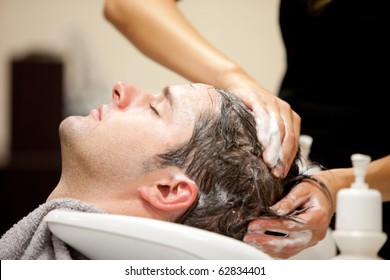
pixel 34 169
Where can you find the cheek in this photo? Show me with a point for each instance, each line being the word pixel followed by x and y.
pixel 136 139
pixel 120 153
pixel 139 137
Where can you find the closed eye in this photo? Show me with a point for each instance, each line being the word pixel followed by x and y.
pixel 154 109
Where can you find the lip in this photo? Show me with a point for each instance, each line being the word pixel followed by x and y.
pixel 97 113
pixel 100 111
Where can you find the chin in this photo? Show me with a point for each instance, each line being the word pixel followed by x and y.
pixel 72 129
pixel 75 124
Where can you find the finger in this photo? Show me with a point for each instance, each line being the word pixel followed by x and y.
pixel 296 198
pixel 265 244
pixel 276 225
pixel 262 119
pixel 269 135
pixel 282 247
pixel 271 245
pixel 273 154
pixel 290 142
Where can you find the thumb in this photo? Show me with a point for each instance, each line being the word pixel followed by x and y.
pixel 287 204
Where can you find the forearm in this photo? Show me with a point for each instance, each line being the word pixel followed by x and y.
pixel 160 31
pixel 377 177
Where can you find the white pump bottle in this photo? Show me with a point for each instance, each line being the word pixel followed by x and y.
pixel 358 231
pixel 305 142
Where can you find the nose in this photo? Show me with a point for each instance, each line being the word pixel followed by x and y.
pixel 124 94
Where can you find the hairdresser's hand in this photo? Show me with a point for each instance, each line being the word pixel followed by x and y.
pixel 278 126
pixel 311 227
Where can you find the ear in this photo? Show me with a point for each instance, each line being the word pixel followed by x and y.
pixel 174 194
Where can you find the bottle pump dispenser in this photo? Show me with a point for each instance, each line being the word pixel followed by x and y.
pixel 305 142
pixel 358 230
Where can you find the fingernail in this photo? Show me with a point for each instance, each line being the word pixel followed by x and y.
pixel 279 210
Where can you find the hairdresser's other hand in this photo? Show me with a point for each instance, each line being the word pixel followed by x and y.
pixel 309 228
pixel 278 126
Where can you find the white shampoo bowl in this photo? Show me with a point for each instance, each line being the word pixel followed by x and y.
pixel 119 237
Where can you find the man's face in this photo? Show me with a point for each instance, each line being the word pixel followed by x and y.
pixel 115 140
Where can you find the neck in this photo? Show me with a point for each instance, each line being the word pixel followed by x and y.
pixel 70 186
pixel 113 199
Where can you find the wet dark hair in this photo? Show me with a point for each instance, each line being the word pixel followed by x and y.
pixel 224 158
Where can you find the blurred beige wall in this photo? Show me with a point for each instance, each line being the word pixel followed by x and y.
pixel 96 55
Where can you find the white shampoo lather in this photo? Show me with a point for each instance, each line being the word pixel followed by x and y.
pixel 358 231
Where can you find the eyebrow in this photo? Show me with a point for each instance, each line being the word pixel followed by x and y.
pixel 168 95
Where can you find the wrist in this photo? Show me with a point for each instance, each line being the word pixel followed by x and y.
pixel 336 179
pixel 235 80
